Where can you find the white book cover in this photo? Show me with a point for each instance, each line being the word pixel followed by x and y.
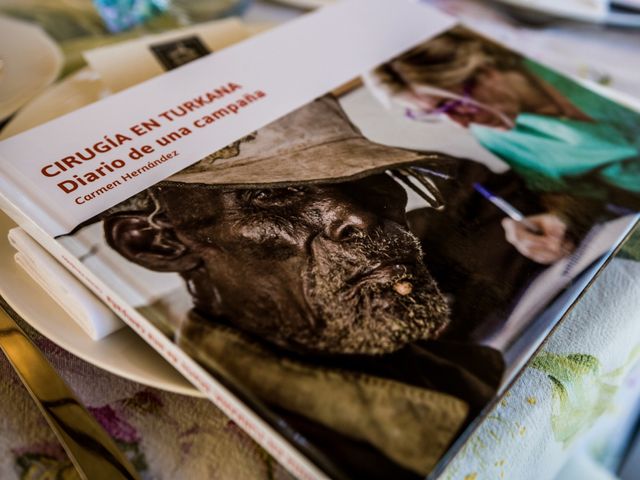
pixel 354 274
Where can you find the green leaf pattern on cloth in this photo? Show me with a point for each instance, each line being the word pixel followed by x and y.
pixel 575 391
pixel 581 394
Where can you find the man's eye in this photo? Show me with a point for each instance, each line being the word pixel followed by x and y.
pixel 275 196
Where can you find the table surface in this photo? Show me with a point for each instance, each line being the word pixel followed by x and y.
pixel 171 436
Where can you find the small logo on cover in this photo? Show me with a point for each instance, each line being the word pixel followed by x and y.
pixel 176 53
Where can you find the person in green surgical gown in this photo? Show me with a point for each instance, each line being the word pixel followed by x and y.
pixel 557 134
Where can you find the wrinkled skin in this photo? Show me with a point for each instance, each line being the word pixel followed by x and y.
pixel 320 268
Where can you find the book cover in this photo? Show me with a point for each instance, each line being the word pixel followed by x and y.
pixel 354 277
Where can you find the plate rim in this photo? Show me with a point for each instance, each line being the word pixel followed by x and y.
pixel 12 271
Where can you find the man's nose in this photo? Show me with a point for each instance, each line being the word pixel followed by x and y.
pixel 349 224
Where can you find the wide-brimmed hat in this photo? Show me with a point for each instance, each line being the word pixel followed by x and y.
pixel 313 144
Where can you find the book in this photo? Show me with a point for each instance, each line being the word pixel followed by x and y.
pixel 354 277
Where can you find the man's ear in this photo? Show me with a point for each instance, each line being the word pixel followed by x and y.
pixel 148 244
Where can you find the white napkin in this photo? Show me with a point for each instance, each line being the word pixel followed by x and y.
pixel 589 10
pixel 78 301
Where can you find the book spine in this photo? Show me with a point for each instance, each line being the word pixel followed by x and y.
pixel 14 185
pixel 225 400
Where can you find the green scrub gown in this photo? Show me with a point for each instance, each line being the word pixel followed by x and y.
pixel 557 154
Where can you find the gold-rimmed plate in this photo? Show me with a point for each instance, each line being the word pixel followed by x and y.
pixel 29 61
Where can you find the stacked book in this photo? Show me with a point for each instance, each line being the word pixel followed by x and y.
pixel 350 232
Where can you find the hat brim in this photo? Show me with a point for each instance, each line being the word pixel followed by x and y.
pixel 338 161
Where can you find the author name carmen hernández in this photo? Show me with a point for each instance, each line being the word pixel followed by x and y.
pixel 110 143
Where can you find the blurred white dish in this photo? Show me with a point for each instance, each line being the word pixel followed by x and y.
pixel 122 353
pixel 627 3
pixel 307 4
pixel 584 10
pixel 74 91
pixel 589 11
pixel 29 61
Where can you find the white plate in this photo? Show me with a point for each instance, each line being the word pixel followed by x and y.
pixel 306 4
pixel 122 353
pixel 30 62
pixel 589 11
pixel 74 91
pixel 542 11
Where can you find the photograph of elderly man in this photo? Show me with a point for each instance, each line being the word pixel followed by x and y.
pixel 358 322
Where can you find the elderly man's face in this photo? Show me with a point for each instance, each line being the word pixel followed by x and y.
pixel 324 268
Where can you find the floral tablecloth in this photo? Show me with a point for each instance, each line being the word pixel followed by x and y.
pixel 581 392
pixel 167 436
